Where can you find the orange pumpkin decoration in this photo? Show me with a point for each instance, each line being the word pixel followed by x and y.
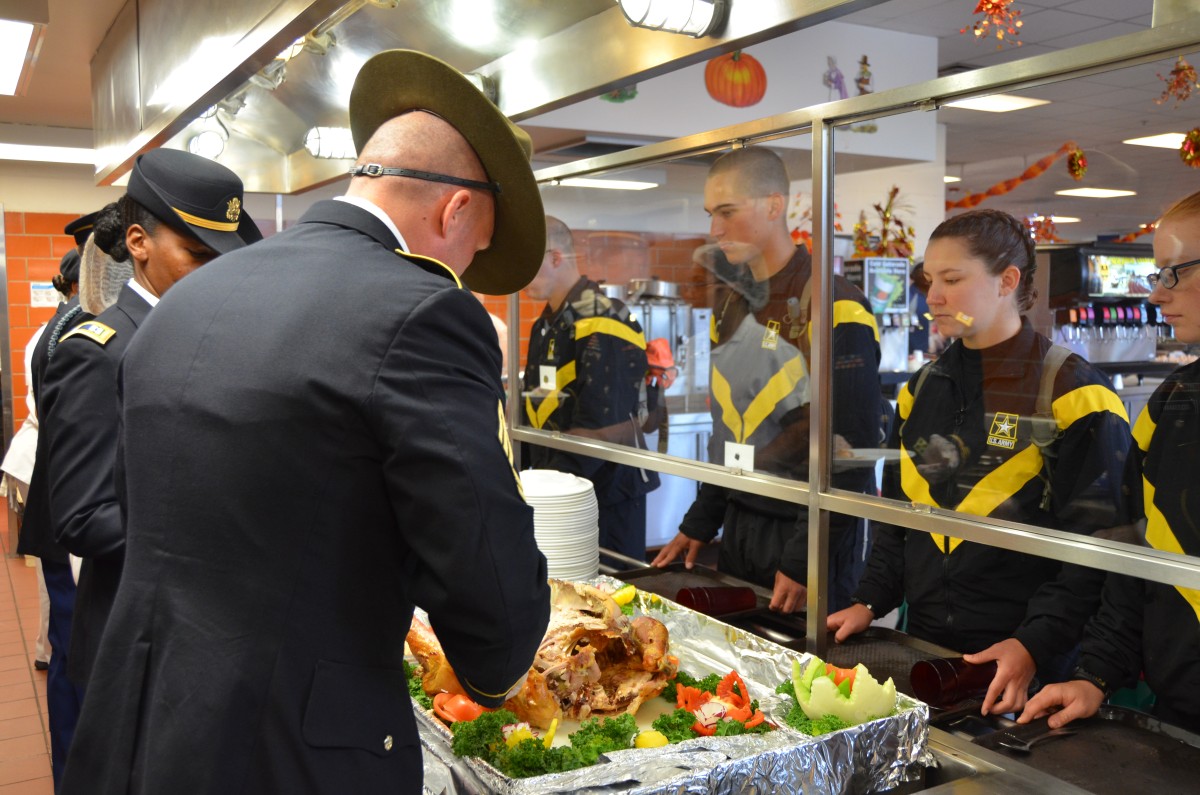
pixel 735 79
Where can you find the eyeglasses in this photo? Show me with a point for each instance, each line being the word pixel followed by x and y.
pixel 1169 276
pixel 376 170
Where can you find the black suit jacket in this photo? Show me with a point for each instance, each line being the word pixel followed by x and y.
pixel 313 442
pixel 79 396
pixel 37 529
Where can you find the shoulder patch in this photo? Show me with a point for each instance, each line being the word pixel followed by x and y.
pixel 92 330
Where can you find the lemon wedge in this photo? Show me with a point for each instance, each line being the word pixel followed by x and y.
pixel 651 739
pixel 548 740
pixel 624 595
pixel 517 736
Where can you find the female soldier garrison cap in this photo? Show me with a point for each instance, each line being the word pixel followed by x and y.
pixel 81 227
pixel 194 196
pixel 395 82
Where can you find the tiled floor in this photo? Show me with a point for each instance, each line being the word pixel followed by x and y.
pixel 24 742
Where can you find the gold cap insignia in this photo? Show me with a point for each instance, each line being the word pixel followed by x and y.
pixel 234 211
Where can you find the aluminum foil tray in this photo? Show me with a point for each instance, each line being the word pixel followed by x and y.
pixel 871 757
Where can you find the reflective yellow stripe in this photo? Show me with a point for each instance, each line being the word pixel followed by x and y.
pixel 847 311
pixel 782 384
pixel 904 401
pixel 506 443
pixel 1078 403
pixel 1159 536
pixel 986 496
pixel 1143 429
pixel 611 327
pixel 537 417
pixel 724 397
pixel 204 223
pixel 439 263
pixel 712 329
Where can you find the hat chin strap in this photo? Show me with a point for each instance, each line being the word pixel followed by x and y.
pixel 376 170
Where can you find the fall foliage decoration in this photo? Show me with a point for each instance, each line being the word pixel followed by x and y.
pixel 1075 167
pixel 1144 229
pixel 895 237
pixel 1043 229
pixel 1181 81
pixel 999 20
pixel 735 79
pixel 1189 151
pixel 802 231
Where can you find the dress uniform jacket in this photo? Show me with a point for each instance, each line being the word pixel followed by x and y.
pixel 967 596
pixel 313 442
pixel 1147 626
pixel 784 319
pixel 37 530
pixel 598 353
pixel 79 398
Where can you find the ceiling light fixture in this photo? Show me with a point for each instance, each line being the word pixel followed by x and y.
pixel 1058 219
pixel 48 154
pixel 1163 140
pixel 695 18
pixel 948 179
pixel 330 143
pixel 997 103
pixel 22 32
pixel 1095 193
pixel 608 184
pixel 210 136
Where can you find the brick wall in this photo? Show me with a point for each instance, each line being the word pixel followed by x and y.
pixel 34 244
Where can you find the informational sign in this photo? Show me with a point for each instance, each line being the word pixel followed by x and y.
pixel 884 280
pixel 43 294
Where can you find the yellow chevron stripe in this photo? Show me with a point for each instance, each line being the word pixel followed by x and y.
pixel 782 384
pixel 904 401
pixel 724 397
pixel 562 377
pixel 1078 403
pixel 611 327
pixel 986 496
pixel 1159 536
pixel 1143 429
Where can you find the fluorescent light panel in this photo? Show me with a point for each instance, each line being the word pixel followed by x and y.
pixel 998 103
pixel 609 184
pixel 47 154
pixel 16 37
pixel 948 179
pixel 1163 141
pixel 1095 193
pixel 1058 219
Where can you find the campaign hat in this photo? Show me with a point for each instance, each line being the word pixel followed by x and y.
pixel 395 82
pixel 194 196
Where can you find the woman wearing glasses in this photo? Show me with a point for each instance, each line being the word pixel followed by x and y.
pixel 1147 626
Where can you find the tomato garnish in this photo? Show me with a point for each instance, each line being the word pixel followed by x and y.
pixel 690 697
pixel 454 707
pixel 704 731
pixel 732 690
pixel 756 719
pixel 839 675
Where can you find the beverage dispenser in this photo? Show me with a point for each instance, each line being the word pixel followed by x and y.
pixel 884 280
pixel 1096 298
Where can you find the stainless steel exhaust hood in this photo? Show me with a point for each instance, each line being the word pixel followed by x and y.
pixel 274 69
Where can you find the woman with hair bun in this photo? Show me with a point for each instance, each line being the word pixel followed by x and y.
pixel 1003 424
pixel 1150 627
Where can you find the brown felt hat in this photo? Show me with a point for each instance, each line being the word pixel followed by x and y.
pixel 398 81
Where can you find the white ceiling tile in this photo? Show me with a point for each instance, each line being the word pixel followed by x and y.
pixel 1041 26
pixel 1117 10
pixel 1093 35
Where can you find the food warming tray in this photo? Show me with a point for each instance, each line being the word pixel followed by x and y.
pixel 1117 751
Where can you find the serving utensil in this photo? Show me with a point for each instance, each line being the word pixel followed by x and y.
pixel 1025 745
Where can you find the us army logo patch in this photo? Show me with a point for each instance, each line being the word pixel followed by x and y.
pixel 770 340
pixel 96 332
pixel 1004 431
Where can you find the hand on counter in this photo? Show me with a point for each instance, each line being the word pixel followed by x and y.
pixel 851 621
pixel 789 595
pixel 679 545
pixel 1014 671
pixel 1078 699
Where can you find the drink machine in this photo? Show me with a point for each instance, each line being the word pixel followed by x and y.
pixel 884 280
pixel 1096 300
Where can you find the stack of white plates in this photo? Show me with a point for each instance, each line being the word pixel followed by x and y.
pixel 565 522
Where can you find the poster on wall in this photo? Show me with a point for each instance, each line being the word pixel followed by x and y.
pixel 884 280
pixel 43 294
